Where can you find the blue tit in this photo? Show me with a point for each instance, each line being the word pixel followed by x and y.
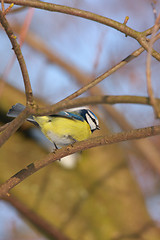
pixel 63 128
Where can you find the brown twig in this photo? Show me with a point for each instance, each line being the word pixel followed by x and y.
pixel 17 50
pixel 8 9
pixel 126 20
pixel 92 142
pixel 5 11
pixel 17 10
pixel 148 69
pixel 154 9
pixel 93 100
pixel 2 4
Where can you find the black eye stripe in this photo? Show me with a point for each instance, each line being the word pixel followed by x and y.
pixel 93 119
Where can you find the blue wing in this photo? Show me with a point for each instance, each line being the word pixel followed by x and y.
pixel 70 115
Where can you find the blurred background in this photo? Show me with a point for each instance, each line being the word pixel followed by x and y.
pixel 109 192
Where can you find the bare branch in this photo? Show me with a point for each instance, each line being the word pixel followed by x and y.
pixel 154 9
pixel 97 80
pixel 92 100
pixel 79 146
pixel 2 4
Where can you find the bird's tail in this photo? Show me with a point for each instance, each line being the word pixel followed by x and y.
pixel 16 110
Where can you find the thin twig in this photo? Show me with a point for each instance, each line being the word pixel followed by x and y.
pixel 154 10
pixel 8 9
pixel 17 10
pixel 2 4
pixel 148 69
pixel 79 146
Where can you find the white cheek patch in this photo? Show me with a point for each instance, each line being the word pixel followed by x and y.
pixel 94 118
pixel 91 114
pixel 90 122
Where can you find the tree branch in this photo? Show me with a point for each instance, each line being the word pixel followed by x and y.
pixel 92 100
pixel 76 12
pixel 10 128
pixel 78 146
pixel 63 104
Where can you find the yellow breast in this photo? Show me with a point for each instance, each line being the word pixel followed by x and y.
pixel 63 131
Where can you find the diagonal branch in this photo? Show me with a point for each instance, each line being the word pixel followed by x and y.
pixel 63 104
pixel 79 146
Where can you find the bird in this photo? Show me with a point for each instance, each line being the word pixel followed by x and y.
pixel 63 128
